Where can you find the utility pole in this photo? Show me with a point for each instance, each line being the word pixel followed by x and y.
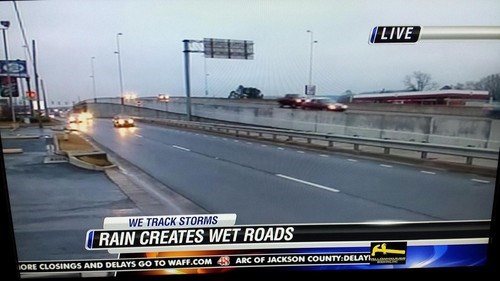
pixel 45 101
pixel 39 109
pixel 6 25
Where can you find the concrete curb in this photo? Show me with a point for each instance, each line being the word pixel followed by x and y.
pixel 12 126
pixel 20 137
pixel 56 146
pixel 73 157
pixel 74 160
pixel 12 150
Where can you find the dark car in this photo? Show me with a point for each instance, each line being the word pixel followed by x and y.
pixel 123 121
pixel 324 104
pixel 291 100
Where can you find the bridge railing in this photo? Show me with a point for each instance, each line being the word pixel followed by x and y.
pixel 330 140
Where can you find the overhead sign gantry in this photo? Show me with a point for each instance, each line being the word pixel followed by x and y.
pixel 214 48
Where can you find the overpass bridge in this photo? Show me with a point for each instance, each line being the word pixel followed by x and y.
pixel 457 126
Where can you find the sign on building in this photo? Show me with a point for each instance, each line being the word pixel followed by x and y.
pixel 13 68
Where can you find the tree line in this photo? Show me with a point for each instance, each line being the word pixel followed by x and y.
pixel 421 81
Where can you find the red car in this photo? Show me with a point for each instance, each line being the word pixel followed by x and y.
pixel 324 104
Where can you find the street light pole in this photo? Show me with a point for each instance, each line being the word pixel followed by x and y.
pixel 93 78
pixel 28 83
pixel 310 59
pixel 6 25
pixel 38 105
pixel 119 66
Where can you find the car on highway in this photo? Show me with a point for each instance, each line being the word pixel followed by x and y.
pixel 80 117
pixel 123 121
pixel 291 100
pixel 74 118
pixel 324 103
pixel 163 98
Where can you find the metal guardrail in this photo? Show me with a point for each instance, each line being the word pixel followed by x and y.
pixel 469 153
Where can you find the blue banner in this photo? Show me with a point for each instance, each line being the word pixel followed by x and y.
pixel 14 68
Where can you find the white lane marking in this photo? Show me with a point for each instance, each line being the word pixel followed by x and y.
pixel 300 151
pixel 214 137
pixel 236 141
pixel 138 136
pixel 352 160
pixel 385 166
pixel 480 181
pixel 263 145
pixel 427 172
pixel 197 134
pixel 181 148
pixel 249 143
pixel 308 183
pixel 323 155
pixel 281 148
pixel 224 138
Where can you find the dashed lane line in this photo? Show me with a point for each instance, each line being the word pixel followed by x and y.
pixel 308 183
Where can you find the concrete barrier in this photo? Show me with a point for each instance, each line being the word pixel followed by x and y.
pixel 75 159
pixel 469 130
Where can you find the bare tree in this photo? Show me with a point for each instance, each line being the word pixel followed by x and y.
pixel 419 81
pixel 491 83
pixel 245 93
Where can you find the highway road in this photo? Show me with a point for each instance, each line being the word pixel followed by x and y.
pixel 271 183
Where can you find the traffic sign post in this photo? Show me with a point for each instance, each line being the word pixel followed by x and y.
pixel 13 68
pixel 214 48
pixel 31 95
pixel 310 90
pixel 8 87
pixel 227 49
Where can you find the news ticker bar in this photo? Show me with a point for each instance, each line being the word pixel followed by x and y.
pixel 412 34
pixel 139 264
pixel 376 255
pixel 275 236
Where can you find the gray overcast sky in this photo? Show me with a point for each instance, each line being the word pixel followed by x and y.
pixel 69 32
